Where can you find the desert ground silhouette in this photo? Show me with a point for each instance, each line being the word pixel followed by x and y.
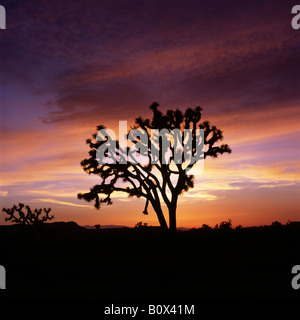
pixel 61 260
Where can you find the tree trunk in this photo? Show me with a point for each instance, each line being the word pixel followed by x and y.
pixel 172 216
pixel 160 215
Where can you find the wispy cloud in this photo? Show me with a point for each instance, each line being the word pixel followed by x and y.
pixel 66 203
pixel 195 195
pixel 3 193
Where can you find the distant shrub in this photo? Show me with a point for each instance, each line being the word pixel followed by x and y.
pixel 140 224
pixel 206 226
pixel 276 224
pixel 97 226
pixel 224 225
pixel 294 224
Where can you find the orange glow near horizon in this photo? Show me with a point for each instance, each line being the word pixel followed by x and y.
pixel 241 186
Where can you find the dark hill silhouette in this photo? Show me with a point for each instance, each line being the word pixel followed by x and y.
pixel 108 226
pixel 64 260
pixel 63 226
pixel 59 226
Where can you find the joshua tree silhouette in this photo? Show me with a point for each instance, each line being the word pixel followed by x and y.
pixel 156 182
pixel 30 217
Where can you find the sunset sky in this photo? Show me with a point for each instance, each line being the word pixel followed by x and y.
pixel 68 66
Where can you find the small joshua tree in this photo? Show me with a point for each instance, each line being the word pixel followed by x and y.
pixel 24 215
